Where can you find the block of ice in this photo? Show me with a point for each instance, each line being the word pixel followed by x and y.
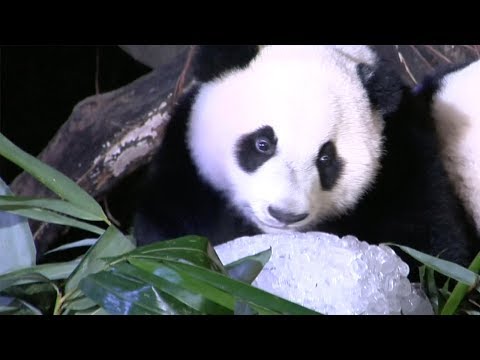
pixel 332 275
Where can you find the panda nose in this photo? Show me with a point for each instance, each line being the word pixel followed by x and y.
pixel 286 217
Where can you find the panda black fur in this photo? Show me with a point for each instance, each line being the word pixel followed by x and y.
pixel 299 138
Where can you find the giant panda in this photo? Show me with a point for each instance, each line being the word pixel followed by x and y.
pixel 277 139
pixel 452 94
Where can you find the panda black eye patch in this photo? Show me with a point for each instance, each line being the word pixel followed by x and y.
pixel 254 149
pixel 329 165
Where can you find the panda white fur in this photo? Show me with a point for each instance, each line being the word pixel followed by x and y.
pixel 299 138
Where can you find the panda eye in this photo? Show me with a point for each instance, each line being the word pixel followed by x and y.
pixel 325 158
pixel 263 145
pixel 330 165
pixel 327 155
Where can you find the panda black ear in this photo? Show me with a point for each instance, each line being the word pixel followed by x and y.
pixel 212 61
pixel 384 86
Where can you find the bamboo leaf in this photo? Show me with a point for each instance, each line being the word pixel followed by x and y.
pixel 111 243
pixel 197 279
pixel 54 271
pixel 17 248
pixel 19 307
pixel 461 290
pixel 248 268
pixel 61 206
pixel 51 178
pixel 54 218
pixel 444 267
pixel 72 245
pixel 193 249
pixel 19 278
pixel 121 293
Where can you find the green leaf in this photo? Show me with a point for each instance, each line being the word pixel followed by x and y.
pixel 154 284
pixel 42 295
pixel 190 242
pixel 19 307
pixel 261 310
pixel 7 310
pixel 54 271
pixel 444 295
pixel 111 243
pixel 123 294
pixel 51 178
pixel 185 289
pixel 242 308
pixel 195 249
pixel 60 206
pixel 75 244
pixel 202 280
pixel 446 285
pixel 444 267
pixel 192 249
pixel 17 248
pixel 423 276
pixel 81 303
pixel 248 268
pixel 432 289
pixel 54 218
pixel 472 312
pixel 32 277
pixel 461 290
pixel 94 311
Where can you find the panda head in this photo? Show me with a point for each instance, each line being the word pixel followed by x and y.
pixel 291 135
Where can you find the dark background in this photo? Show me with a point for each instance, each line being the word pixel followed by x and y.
pixel 40 85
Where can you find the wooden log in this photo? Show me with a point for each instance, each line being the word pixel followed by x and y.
pixel 107 137
pixel 413 62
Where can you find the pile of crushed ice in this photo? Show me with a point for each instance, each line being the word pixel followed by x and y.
pixel 332 275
